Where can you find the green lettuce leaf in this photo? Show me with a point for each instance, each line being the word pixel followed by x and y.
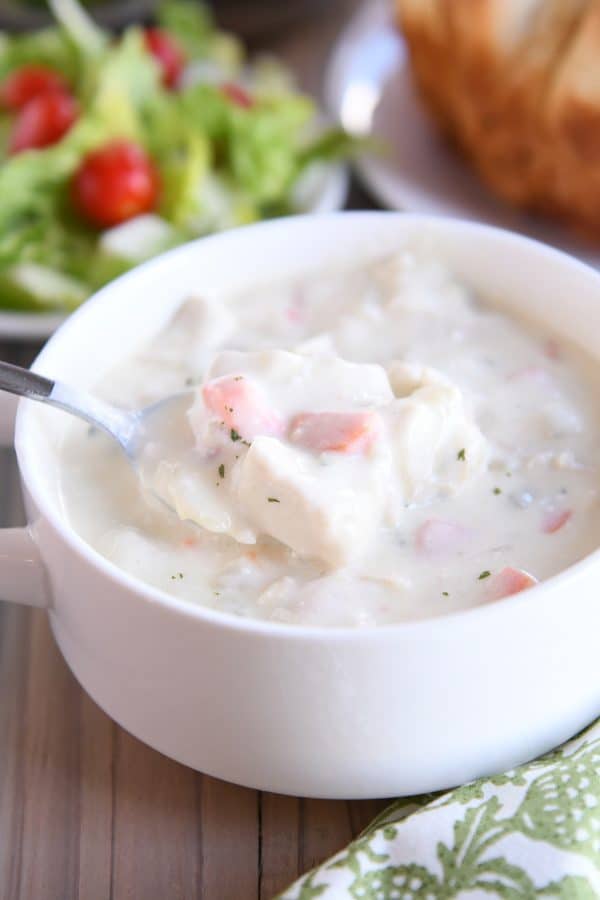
pixel 49 47
pixel 259 147
pixel 192 25
pixel 264 143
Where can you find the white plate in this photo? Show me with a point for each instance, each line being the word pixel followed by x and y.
pixel 325 191
pixel 368 88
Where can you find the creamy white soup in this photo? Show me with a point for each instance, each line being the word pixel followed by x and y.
pixel 355 448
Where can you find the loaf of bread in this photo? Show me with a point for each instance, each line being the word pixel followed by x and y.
pixel 516 85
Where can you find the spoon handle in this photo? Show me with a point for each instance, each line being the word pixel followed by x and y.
pixel 118 423
pixel 24 383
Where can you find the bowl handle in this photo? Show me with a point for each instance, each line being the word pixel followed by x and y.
pixel 22 572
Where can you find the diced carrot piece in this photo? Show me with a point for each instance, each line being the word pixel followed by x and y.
pixel 352 432
pixel 296 311
pixel 436 537
pixel 294 314
pixel 531 373
pixel 552 349
pixel 509 581
pixel 240 405
pixel 554 521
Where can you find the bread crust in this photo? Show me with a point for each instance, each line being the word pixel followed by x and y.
pixel 516 85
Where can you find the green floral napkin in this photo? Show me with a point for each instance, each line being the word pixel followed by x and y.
pixel 532 832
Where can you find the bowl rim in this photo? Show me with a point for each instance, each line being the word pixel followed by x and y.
pixel 259 628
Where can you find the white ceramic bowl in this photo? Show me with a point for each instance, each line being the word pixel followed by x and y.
pixel 321 712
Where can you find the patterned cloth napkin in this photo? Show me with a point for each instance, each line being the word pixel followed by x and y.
pixel 532 832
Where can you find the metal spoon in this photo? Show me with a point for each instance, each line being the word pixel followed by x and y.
pixel 135 431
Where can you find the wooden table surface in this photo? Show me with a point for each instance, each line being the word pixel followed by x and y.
pixel 87 812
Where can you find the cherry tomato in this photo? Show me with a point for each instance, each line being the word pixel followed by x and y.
pixel 115 183
pixel 238 95
pixel 28 82
pixel 43 121
pixel 167 53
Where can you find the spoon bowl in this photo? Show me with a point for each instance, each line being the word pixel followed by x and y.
pixel 142 434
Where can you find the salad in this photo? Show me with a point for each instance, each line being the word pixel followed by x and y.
pixel 113 149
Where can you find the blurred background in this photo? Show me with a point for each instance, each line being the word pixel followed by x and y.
pixel 255 20
pixel 302 32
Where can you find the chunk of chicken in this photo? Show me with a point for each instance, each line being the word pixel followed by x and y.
pixel 327 512
pixel 436 446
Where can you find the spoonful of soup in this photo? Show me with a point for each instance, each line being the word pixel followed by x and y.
pixel 315 452
pixel 133 430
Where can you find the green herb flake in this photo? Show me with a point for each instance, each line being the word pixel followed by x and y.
pixel 234 435
pixel 462 454
pixel 222 471
pixel 445 594
pixel 177 576
pixel 497 490
pixel 273 500
pixel 483 575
